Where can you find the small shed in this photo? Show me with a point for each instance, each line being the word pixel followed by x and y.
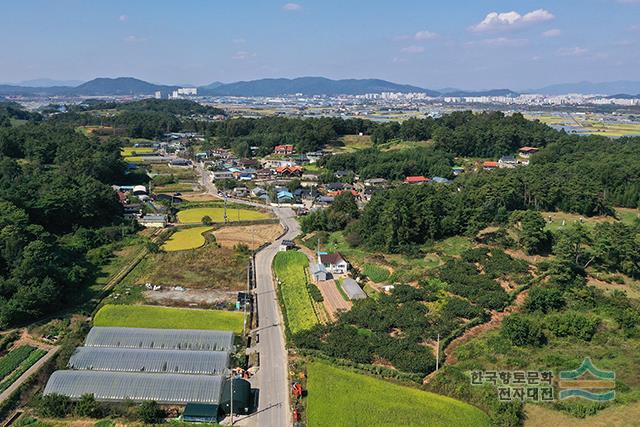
pixel 352 289
pixel 200 413
pixel 319 272
pixel 241 396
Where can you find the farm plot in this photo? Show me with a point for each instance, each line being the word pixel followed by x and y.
pixel 376 273
pixel 289 267
pixel 133 151
pixel 338 397
pixel 251 235
pixel 146 316
pixel 195 215
pixel 188 238
pixel 16 363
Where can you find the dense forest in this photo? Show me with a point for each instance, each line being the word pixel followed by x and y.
pixel 56 204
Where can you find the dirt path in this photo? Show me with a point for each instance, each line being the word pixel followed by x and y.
pixel 333 300
pixel 493 323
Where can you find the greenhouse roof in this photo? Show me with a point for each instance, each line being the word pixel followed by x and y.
pixel 137 387
pixel 160 339
pixel 150 360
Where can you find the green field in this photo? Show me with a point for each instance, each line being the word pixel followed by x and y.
pixel 289 267
pixel 16 363
pixel 188 238
pixel 147 316
pixel 337 397
pixel 194 215
pixel 132 151
pixel 376 273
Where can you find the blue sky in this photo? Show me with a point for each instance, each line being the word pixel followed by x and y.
pixel 456 43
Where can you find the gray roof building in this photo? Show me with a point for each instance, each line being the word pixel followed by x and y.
pixel 160 339
pixel 137 387
pixel 145 360
pixel 352 289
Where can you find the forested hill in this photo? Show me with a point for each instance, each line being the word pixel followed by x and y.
pixel 56 204
pixel 311 86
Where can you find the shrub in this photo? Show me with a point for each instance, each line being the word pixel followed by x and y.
pixel 206 220
pixel 88 407
pixel 573 324
pixel 54 406
pixel 150 412
pixel 522 331
pixel 315 293
pixel 544 300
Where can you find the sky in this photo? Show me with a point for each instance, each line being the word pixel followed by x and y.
pixel 467 44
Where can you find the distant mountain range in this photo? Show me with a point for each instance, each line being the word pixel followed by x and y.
pixel 604 88
pixel 307 86
pixel 310 86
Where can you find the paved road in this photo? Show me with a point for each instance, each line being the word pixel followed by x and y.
pixel 271 379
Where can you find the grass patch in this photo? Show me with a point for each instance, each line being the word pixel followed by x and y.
pixel 290 268
pixel 376 273
pixel 176 187
pixel 338 397
pixel 194 215
pixel 343 294
pixel 188 238
pixel 146 316
pixel 628 215
pixel 557 221
pixel 208 267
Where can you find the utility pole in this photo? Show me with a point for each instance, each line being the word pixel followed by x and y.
pixel 438 354
pixel 232 397
pixel 225 207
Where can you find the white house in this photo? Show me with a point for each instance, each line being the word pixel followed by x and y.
pixel 334 263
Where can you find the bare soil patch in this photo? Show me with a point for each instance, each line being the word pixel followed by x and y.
pixel 253 236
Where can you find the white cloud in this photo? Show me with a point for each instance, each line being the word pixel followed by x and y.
pixel 134 39
pixel 412 49
pixel 506 21
pixel 291 7
pixel 418 36
pixel 573 51
pixel 498 42
pixel 425 35
pixel 398 60
pixel 123 18
pixel 243 55
pixel 552 33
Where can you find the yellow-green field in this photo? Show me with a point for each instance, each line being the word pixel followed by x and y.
pixel 337 397
pixel 194 215
pixel 188 238
pixel 132 151
pixel 147 316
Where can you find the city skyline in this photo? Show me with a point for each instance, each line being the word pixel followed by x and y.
pixel 496 44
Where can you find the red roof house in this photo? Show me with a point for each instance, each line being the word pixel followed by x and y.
pixel 284 149
pixel 489 165
pixel 415 179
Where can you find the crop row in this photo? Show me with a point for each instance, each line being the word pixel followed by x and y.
pixel 31 359
pixel 13 359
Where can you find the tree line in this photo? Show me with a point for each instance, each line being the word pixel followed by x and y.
pixel 56 204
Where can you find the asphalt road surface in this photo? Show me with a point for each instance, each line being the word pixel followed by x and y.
pixel 271 379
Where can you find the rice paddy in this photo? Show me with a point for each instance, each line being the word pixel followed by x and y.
pixel 195 215
pixel 187 238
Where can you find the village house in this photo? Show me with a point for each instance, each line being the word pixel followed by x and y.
pixel 219 175
pixel 526 152
pixel 489 166
pixel 415 179
pixel 334 263
pixel 289 171
pixel 375 182
pixel 457 170
pixel 507 162
pixel 285 149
